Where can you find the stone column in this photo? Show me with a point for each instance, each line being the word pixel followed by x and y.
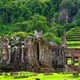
pixel 9 48
pixel 38 36
pixel 22 55
pixel 5 50
pixel 72 59
pixel 28 54
pixel 64 40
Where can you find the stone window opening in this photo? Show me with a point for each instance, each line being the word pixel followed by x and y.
pixel 76 61
pixel 69 61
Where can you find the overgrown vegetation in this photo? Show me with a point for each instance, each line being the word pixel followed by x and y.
pixel 52 16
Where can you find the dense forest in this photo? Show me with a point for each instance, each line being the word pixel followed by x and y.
pixel 22 17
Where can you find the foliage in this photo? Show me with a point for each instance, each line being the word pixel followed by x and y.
pixel 40 22
pixel 25 25
pixel 37 22
pixel 69 26
pixel 22 35
pixel 7 30
pixel 51 37
pixel 77 15
pixel 56 29
pixel 63 17
pixel 69 5
pixel 49 15
pixel 77 22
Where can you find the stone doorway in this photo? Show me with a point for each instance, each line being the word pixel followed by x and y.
pixel 37 53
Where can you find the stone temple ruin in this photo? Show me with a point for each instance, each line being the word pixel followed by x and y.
pixel 36 54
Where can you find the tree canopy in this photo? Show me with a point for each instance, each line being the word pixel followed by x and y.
pixel 51 16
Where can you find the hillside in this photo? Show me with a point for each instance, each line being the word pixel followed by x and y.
pixel 22 17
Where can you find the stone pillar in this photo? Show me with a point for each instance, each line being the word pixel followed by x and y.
pixel 5 50
pixel 64 40
pixel 22 55
pixel 28 54
pixel 38 36
pixel 72 59
pixel 9 47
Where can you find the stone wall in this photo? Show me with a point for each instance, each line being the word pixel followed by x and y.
pixel 38 52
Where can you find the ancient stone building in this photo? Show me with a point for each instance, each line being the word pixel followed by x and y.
pixel 36 54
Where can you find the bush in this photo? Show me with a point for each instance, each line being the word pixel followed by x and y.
pixel 51 37
pixel 20 34
pixel 77 22
pixel 68 26
pixel 30 34
pixel 57 29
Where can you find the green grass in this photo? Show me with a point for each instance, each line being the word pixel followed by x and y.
pixel 52 76
pixel 73 44
pixel 73 47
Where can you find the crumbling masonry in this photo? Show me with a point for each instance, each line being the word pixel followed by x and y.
pixel 36 54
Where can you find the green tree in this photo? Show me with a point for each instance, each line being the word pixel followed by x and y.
pixel 52 37
pixel 77 15
pixel 77 22
pixel 56 29
pixel 68 26
pixel 63 17
pixel 37 22
pixel 20 34
pixel 69 6
pixel 26 26
pixel 40 22
pixel 66 4
pixel 24 12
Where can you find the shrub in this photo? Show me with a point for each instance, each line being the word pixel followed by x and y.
pixel 20 34
pixel 68 26
pixel 77 22
pixel 52 37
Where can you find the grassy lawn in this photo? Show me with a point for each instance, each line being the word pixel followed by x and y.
pixel 33 76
